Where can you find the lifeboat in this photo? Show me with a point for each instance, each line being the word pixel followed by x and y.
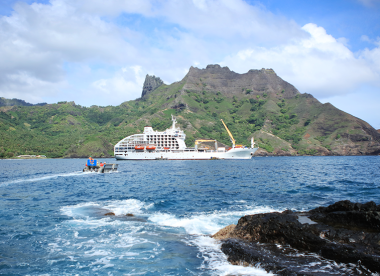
pixel 150 147
pixel 139 147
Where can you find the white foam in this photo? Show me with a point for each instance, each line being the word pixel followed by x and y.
pixel 74 210
pixel 121 245
pixel 205 224
pixel 101 264
pixel 102 250
pixel 200 226
pixel 79 173
pixel 118 207
pixel 216 261
pixel 122 207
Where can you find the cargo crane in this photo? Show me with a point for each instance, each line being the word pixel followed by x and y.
pixel 234 141
pixel 230 134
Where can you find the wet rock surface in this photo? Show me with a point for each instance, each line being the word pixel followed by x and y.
pixel 341 239
pixel 110 214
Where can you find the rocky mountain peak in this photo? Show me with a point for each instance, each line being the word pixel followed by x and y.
pixel 213 66
pixel 217 66
pixel 222 79
pixel 150 84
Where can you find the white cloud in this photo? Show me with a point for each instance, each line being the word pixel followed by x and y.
pixel 319 64
pixel 38 39
pixel 365 38
pixel 111 7
pixel 369 3
pixel 125 84
pixel 201 4
pixel 229 19
pixel 21 86
pixel 70 49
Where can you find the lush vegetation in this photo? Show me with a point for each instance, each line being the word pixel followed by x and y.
pixel 12 102
pixel 66 129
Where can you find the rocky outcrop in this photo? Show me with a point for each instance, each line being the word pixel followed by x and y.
pixel 286 243
pixel 150 84
pixel 229 83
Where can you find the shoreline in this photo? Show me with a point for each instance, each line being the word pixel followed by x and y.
pixel 111 157
pixel 285 243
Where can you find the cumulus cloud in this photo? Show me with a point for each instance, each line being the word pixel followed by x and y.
pixel 37 40
pixel 24 86
pixel 229 19
pixel 319 64
pixel 126 83
pixel 68 49
pixel 223 18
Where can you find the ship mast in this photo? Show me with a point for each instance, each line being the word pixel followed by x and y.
pixel 174 122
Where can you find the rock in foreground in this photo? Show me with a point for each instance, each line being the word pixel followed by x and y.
pixel 341 239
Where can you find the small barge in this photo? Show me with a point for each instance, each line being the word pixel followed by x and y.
pixel 93 166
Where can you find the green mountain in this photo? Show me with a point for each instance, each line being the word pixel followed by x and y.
pixel 12 102
pixel 257 103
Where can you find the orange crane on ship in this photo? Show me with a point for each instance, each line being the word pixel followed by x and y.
pixel 232 137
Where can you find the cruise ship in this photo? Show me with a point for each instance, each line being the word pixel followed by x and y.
pixel 170 145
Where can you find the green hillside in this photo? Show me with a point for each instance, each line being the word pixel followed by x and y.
pixel 258 103
pixel 12 102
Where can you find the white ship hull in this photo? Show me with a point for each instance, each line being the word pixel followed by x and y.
pixel 170 145
pixel 235 153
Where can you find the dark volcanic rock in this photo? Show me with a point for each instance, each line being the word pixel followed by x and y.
pixel 150 84
pixel 349 215
pixel 347 233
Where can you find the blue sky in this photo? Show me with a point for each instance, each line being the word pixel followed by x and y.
pixel 98 52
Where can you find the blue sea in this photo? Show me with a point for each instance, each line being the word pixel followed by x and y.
pixel 53 218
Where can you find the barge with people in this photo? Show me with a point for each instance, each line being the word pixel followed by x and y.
pixel 93 165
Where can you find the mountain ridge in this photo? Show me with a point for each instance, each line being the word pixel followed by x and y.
pixel 268 88
pixel 215 77
pixel 257 103
pixel 14 101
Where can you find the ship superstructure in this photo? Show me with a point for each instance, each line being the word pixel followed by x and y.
pixel 170 144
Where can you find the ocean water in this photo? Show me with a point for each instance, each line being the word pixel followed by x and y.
pixel 53 215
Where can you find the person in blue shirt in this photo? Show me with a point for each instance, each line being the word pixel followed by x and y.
pixel 91 162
